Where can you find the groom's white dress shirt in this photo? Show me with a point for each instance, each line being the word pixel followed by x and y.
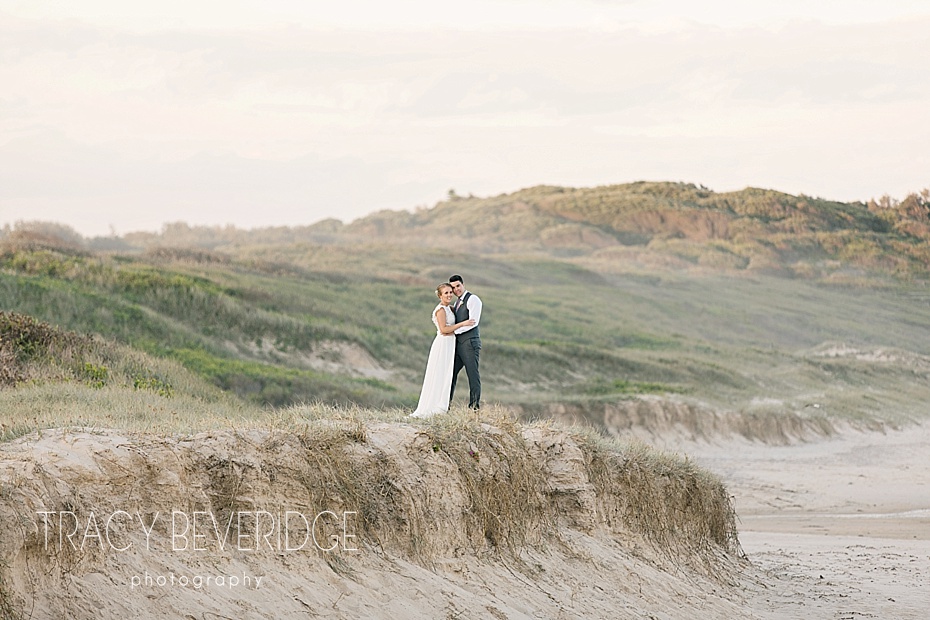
pixel 474 312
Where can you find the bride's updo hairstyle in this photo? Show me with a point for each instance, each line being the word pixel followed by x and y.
pixel 442 286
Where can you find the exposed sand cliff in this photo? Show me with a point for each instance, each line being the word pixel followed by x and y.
pixel 528 522
pixel 494 525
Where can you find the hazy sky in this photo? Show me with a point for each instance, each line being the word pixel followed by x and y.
pixel 122 116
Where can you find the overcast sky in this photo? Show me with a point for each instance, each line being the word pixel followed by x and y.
pixel 121 116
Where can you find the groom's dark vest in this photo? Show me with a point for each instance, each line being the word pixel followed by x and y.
pixel 462 315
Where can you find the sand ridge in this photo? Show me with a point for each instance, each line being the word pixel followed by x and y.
pixel 90 530
pixel 833 528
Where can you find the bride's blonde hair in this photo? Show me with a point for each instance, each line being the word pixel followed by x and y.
pixel 442 286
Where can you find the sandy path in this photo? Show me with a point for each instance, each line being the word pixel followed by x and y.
pixel 837 528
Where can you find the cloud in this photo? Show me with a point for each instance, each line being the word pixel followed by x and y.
pixel 290 124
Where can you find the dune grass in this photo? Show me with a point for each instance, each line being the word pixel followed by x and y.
pixel 458 485
pixel 678 507
pixel 250 319
pixel 32 408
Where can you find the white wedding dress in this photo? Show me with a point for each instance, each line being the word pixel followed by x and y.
pixel 437 382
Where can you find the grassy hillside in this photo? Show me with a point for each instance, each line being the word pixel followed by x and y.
pixel 228 326
pixel 344 323
pixel 641 226
pixel 51 377
pixel 749 301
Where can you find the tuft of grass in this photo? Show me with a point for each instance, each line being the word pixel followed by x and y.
pixel 507 507
pixel 9 610
pixel 666 498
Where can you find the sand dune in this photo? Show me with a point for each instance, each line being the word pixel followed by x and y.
pixel 835 528
pixel 108 525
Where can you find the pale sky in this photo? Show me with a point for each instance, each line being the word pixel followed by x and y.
pixel 123 116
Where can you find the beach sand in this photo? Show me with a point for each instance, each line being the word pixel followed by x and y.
pixel 835 528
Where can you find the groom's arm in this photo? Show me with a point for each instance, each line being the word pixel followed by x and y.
pixel 474 313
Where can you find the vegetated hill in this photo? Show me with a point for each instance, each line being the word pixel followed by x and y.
pixel 753 229
pixel 51 377
pixel 248 340
pixel 32 351
pixel 346 323
pixel 635 225
pixel 662 289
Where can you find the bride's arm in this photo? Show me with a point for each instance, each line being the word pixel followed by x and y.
pixel 449 330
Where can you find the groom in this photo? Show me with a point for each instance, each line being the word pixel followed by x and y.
pixel 467 341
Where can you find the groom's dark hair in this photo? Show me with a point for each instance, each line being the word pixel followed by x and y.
pixel 456 278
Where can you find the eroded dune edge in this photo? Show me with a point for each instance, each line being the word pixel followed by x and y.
pixel 347 518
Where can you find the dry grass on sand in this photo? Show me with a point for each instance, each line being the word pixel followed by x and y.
pixel 454 517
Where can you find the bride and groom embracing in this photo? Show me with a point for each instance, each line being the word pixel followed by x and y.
pixel 457 345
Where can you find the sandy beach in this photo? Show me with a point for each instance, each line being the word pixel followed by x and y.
pixel 836 528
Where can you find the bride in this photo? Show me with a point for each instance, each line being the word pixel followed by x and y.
pixel 437 383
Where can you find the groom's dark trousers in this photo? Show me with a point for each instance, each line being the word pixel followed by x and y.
pixel 467 352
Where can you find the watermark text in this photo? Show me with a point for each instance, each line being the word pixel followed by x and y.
pixel 199 531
